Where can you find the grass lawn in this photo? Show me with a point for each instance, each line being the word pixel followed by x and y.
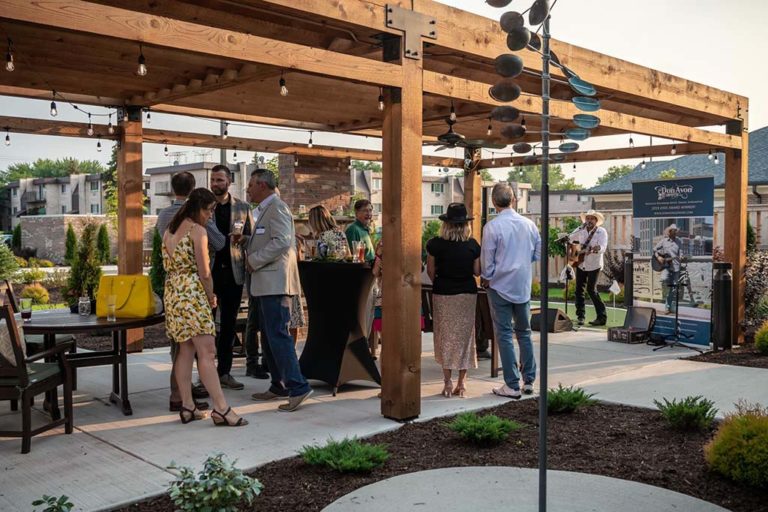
pixel 615 315
pixel 40 307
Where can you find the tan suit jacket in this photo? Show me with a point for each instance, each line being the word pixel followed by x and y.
pixel 272 252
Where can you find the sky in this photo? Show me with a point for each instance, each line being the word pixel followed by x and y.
pixel 714 42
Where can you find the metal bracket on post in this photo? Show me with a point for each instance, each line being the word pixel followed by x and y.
pixel 133 112
pixel 415 25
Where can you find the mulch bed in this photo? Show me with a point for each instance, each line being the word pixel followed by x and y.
pixel 611 440
pixel 745 355
pixel 154 337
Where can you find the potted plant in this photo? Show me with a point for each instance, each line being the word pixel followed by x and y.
pixel 85 272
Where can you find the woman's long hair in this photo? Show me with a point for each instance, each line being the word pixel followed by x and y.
pixel 320 220
pixel 456 232
pixel 198 200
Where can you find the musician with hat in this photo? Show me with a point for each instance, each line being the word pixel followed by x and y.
pixel 592 240
pixel 668 254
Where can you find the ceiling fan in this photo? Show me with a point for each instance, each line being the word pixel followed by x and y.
pixel 452 139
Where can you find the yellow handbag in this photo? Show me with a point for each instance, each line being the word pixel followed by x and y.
pixel 133 294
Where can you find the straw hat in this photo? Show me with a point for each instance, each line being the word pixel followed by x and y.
pixel 670 228
pixel 593 213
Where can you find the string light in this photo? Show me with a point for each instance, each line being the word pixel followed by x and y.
pixel 7 137
pixel 489 131
pixel 710 156
pixel 522 122
pixel 142 69
pixel 716 160
pixel 631 142
pixel 89 131
pixel 381 99
pixel 642 164
pixel 110 127
pixel 234 157
pixel 310 140
pixel 452 115
pixel 295 160
pixel 98 145
pixel 574 166
pixel 149 116
pixel 125 115
pixel 673 151
pixel 283 88
pixel 226 131
pixel 493 158
pixel 165 150
pixel 54 110
pixel 9 64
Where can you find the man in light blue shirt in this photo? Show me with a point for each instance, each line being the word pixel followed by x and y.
pixel 511 243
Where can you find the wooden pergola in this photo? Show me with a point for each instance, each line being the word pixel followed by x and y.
pixel 224 59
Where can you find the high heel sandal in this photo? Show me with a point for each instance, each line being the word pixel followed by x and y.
pixel 447 388
pixel 220 419
pixel 459 391
pixel 188 415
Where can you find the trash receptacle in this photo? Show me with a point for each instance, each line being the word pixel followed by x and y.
pixel 722 303
pixel 628 280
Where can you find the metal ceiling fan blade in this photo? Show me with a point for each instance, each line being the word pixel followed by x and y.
pixel 444 147
pixel 481 143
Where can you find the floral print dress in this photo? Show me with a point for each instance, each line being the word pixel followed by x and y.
pixel 187 311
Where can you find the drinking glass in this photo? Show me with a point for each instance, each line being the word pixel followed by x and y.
pixel 25 306
pixel 111 308
pixel 310 246
pixel 356 251
pixel 84 306
pixel 237 231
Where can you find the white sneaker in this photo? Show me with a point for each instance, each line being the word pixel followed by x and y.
pixel 507 392
pixel 527 389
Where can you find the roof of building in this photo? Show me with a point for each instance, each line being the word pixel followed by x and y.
pixel 173 169
pixel 696 165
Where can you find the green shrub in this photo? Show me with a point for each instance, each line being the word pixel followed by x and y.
pixel 483 430
pixel 35 262
pixel 21 262
pixel 54 503
pixel 219 486
pixel 16 238
pixel 690 413
pixel 85 272
pixel 567 399
pixel 157 271
pixel 535 289
pixel 37 293
pixel 761 339
pixel 32 275
pixel 57 278
pixel 103 249
pixel 346 456
pixel 8 262
pixel 70 250
pixel 739 450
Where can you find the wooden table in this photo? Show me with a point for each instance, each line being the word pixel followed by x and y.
pixel 337 295
pixel 61 321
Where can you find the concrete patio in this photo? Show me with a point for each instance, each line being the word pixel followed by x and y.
pixel 112 459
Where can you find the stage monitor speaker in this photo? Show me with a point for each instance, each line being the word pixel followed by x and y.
pixel 557 320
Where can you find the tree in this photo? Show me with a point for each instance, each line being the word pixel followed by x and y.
pixel 109 180
pixel 70 245
pixel 363 165
pixel 751 238
pixel 8 263
pixel 85 272
pixel 532 174
pixel 614 172
pixel 429 231
pixel 486 175
pixel 47 168
pixel 558 248
pixel 103 250
pixel 16 237
pixel 157 271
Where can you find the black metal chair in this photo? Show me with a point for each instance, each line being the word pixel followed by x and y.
pixel 22 378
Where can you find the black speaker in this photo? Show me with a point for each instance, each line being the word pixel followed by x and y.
pixel 557 320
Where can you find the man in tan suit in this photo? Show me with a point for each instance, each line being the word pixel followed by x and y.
pixel 274 279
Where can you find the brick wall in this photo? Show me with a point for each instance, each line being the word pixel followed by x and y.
pixel 314 181
pixel 47 233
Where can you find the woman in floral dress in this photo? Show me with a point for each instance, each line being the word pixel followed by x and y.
pixel 326 230
pixel 188 301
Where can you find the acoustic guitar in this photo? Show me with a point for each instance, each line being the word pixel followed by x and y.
pixel 660 262
pixel 576 253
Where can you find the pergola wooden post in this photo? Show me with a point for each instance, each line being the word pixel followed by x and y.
pixel 473 188
pixel 130 198
pixel 401 228
pixel 735 221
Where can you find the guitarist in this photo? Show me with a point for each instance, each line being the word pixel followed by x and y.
pixel 667 252
pixel 593 240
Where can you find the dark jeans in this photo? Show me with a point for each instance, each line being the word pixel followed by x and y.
pixel 588 279
pixel 671 282
pixel 278 347
pixel 228 293
pixel 252 329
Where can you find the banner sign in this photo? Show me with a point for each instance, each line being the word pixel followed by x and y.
pixel 672 244
pixel 691 197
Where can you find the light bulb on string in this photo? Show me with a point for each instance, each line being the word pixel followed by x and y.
pixel 226 131
pixel 165 150
pixel 716 160
pixel 642 164
pixel 7 137
pixel 710 156
pixel 493 158
pixel 110 126
pixel 631 142
pixel 283 88
pixel 149 116
pixel 9 64
pixel 142 69
pixel 673 151
pixel 295 160
pixel 234 156
pixel 574 166
pixel 125 115
pixel 54 110
pixel 489 131
pixel 309 145
pixel 98 145
pixel 522 122
pixel 89 131
pixel 381 99
pixel 452 115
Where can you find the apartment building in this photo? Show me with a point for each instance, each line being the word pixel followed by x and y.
pixel 74 194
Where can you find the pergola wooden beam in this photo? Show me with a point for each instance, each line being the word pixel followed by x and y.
pixel 113 22
pixel 482 37
pixel 600 155
pixel 55 128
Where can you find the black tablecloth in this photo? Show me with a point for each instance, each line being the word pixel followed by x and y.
pixel 338 304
